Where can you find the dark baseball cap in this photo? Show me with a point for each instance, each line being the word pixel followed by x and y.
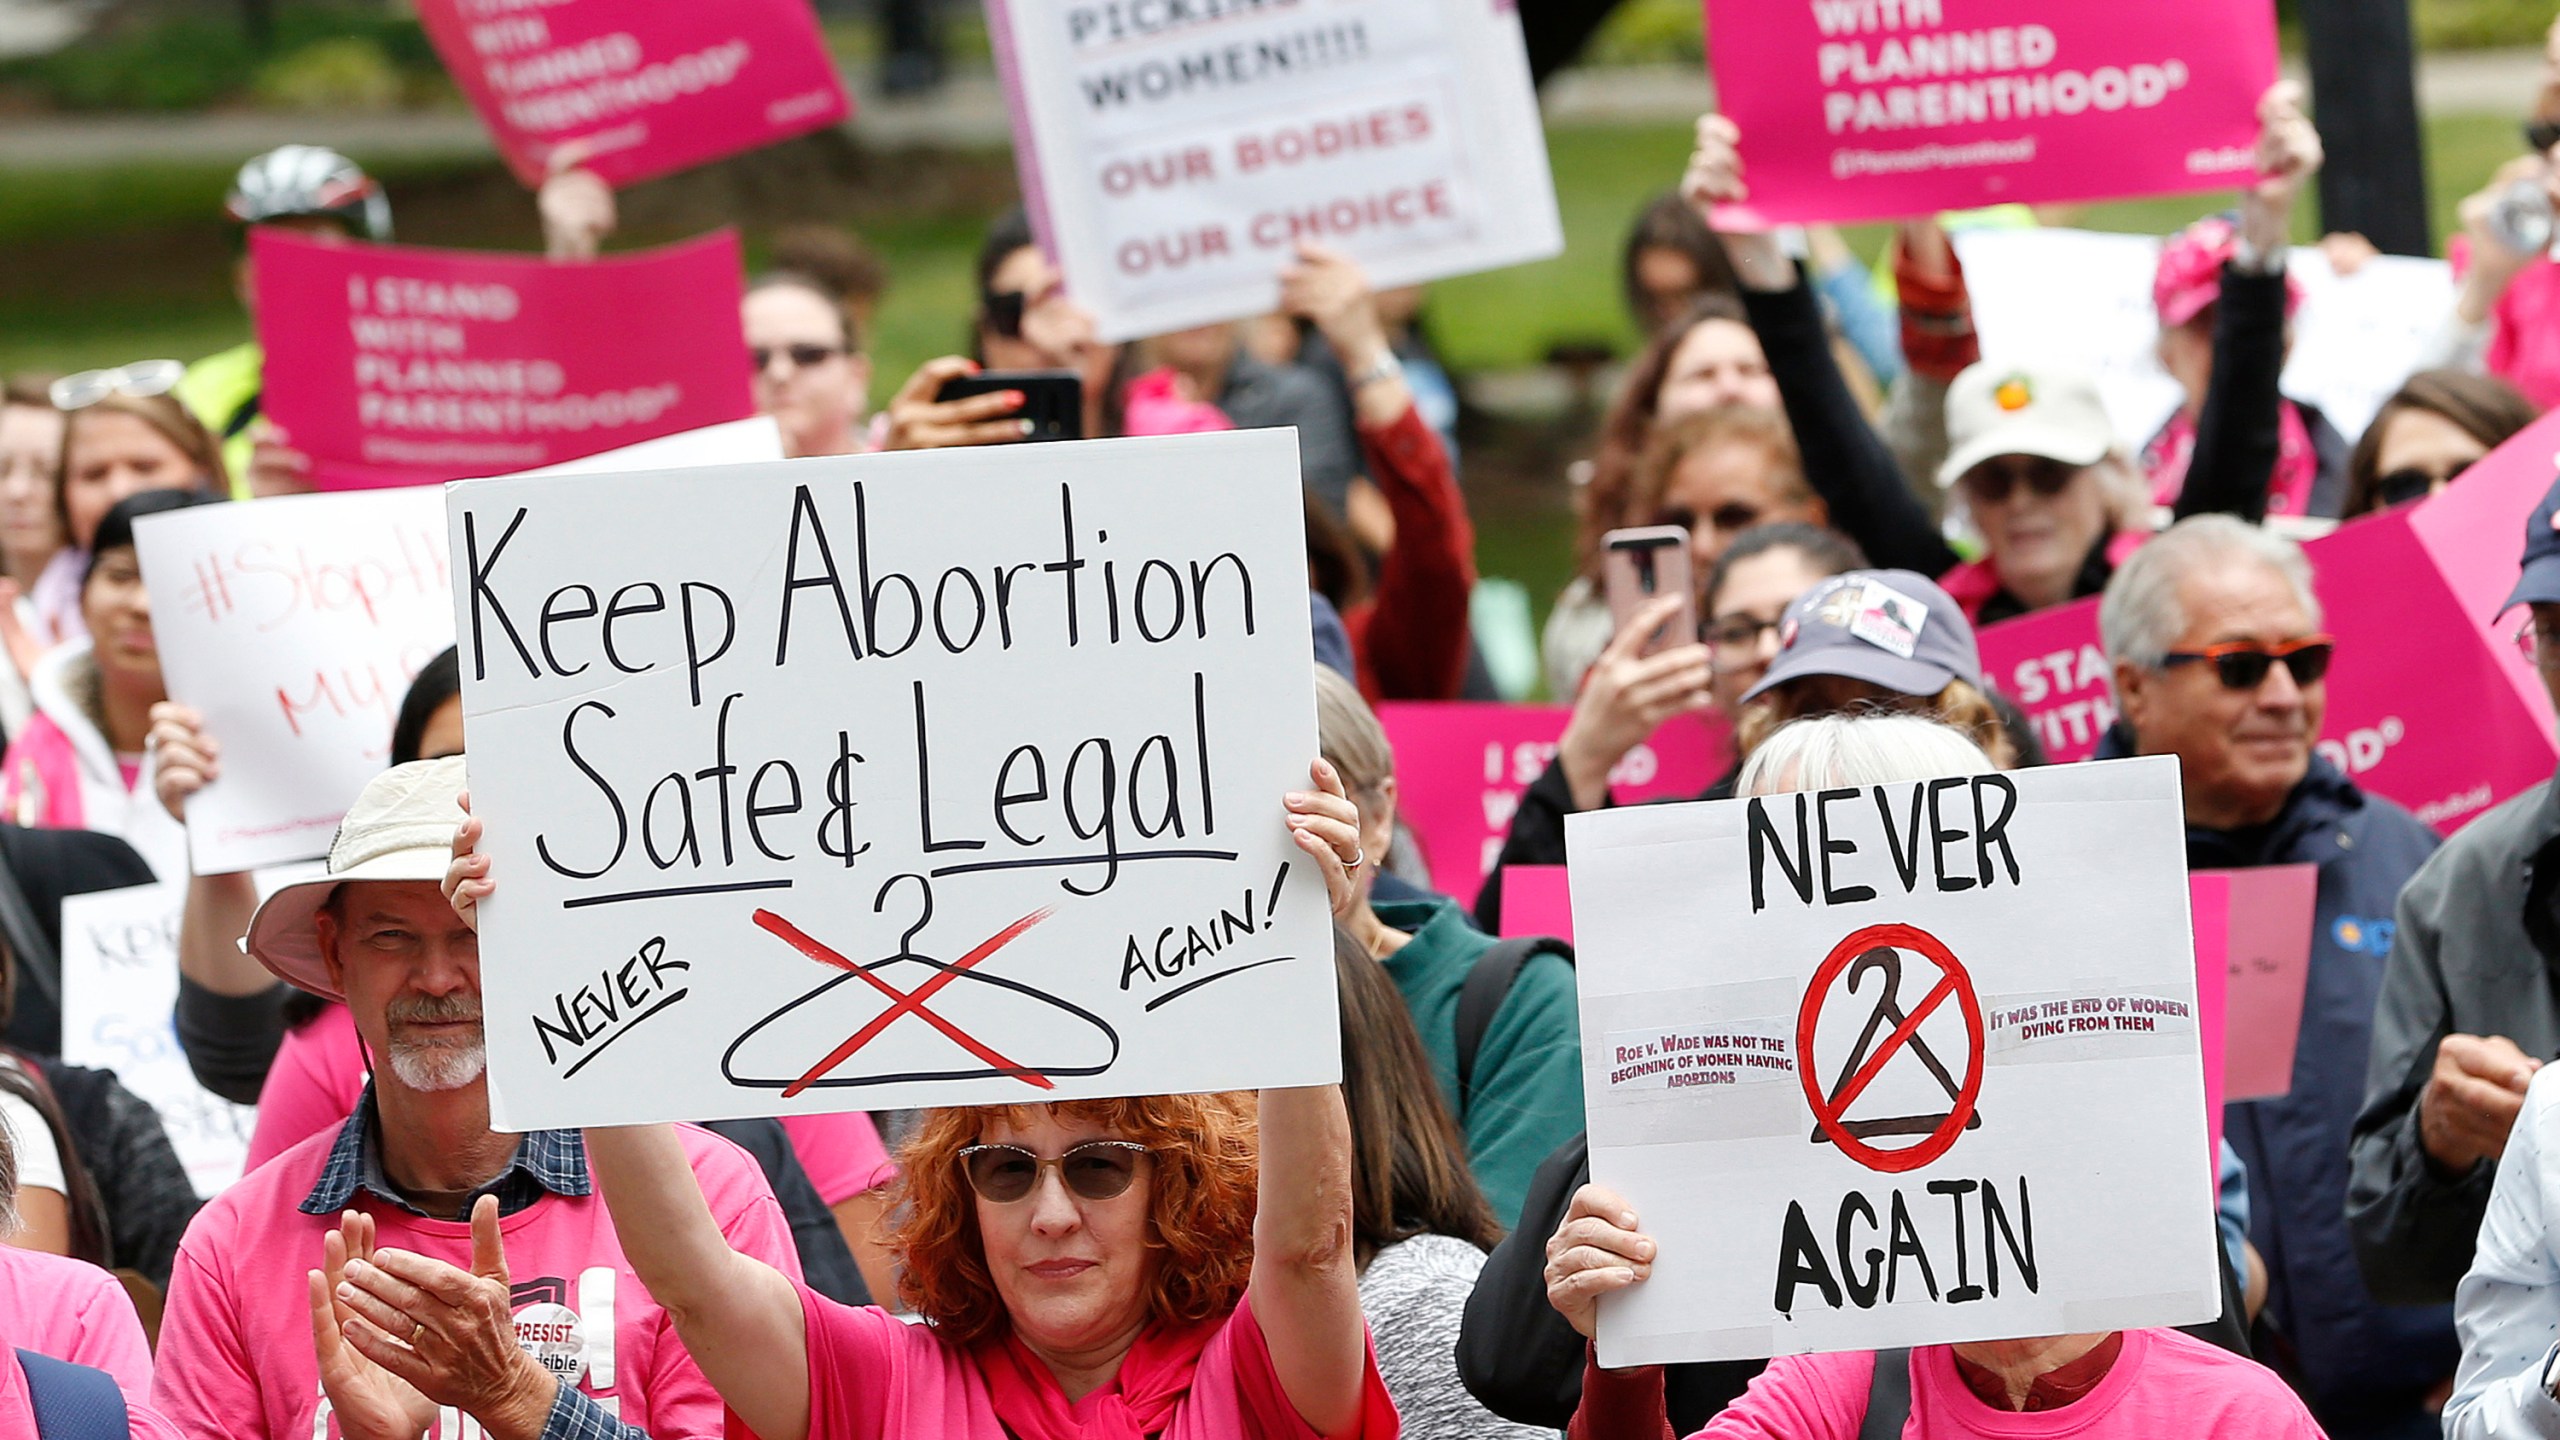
pixel 1893 628
pixel 2540 582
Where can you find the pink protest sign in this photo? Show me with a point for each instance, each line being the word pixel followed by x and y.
pixel 1460 769
pixel 2213 1028
pixel 633 92
pixel 2052 665
pixel 392 365
pixel 1536 901
pixel 1876 109
pixel 2253 943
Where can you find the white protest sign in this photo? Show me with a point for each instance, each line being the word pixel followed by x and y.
pixel 2084 296
pixel 294 626
pixel 950 777
pixel 1897 1065
pixel 119 985
pixel 1172 157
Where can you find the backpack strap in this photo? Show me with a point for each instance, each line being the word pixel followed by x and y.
pixel 1889 1398
pixel 74 1402
pixel 1489 983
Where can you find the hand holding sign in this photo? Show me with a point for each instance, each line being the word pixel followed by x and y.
pixel 1714 186
pixel 2287 156
pixel 1595 1251
pixel 187 759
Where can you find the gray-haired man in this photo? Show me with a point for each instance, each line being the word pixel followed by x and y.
pixel 2214 635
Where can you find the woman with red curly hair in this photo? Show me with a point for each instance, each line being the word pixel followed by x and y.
pixel 1169 1265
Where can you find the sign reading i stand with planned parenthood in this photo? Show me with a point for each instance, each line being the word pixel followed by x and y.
pixel 1173 153
pixel 1897 1064
pixel 842 795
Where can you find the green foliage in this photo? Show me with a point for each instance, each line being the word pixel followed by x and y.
pixel 347 73
pixel 2477 24
pixel 199 55
pixel 1641 32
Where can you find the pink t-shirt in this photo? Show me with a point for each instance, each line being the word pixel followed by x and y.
pixel 319 1075
pixel 2164 1383
pixel 235 1343
pixel 72 1310
pixel 874 1377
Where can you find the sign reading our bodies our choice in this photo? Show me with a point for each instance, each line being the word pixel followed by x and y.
pixel 1173 156
pixel 940 778
pixel 1879 109
pixel 1897 1065
pixel 393 365
pixel 633 92
pixel 295 628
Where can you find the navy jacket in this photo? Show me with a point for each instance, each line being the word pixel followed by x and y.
pixel 2364 1363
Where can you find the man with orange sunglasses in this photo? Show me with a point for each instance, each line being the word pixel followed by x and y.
pixel 2214 634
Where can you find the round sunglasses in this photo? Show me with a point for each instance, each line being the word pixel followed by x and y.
pixel 1094 1170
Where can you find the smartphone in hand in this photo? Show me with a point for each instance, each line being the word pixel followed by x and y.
pixel 1638 565
pixel 1052 400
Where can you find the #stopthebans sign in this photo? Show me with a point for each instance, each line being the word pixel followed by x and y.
pixel 941 778
pixel 1174 155
pixel 1898 1065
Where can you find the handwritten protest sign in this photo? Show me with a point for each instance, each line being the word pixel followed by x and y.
pixel 1173 157
pixel 294 629
pixel 2429 701
pixel 2254 928
pixel 1461 768
pixel 883 800
pixel 2084 297
pixel 1932 1047
pixel 633 92
pixel 392 365
pixel 119 984
pixel 1878 109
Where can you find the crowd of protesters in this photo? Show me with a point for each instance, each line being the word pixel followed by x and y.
pixel 1420 1249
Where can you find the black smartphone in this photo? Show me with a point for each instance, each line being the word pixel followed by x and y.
pixel 1052 400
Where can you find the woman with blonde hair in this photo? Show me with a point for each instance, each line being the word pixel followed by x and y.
pixel 123 433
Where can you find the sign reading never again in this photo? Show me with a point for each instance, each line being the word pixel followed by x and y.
pixel 939 778
pixel 1897 1065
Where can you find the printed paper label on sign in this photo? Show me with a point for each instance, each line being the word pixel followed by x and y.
pixel 1747 1052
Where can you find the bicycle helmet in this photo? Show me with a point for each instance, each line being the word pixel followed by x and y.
pixel 310 180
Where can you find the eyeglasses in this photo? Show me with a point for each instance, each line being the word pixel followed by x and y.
pixel 2243 664
pixel 1094 1170
pixel 2412 483
pixel 803 357
pixel 2538 645
pixel 1734 642
pixel 1992 482
pixel 140 380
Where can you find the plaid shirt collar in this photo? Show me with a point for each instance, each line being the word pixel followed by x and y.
pixel 546 1162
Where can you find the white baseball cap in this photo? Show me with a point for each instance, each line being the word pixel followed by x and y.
pixel 400 828
pixel 2051 411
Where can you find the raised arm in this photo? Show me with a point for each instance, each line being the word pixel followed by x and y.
pixel 230 1016
pixel 739 1317
pixel 1846 461
pixel 1306 1292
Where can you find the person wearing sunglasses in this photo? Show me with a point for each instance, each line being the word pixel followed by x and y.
pixel 811 374
pixel 2213 633
pixel 1162 1265
pixel 123 433
pixel 2431 430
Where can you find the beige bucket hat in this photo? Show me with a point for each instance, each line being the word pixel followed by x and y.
pixel 400 828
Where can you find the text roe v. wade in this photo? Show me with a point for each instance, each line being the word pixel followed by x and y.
pixel 857 595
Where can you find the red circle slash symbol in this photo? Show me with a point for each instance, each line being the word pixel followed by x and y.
pixel 1880 948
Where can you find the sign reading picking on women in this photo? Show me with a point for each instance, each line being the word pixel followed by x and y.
pixel 1173 156
pixel 1879 109
pixel 1898 1065
pixel 952 777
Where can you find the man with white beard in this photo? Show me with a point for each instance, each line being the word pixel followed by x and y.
pixel 414 1274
